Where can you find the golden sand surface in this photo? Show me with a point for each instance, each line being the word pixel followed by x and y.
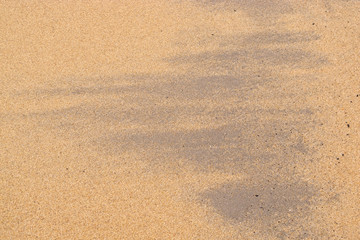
pixel 180 119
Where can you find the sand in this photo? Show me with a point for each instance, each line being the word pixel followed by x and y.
pixel 180 119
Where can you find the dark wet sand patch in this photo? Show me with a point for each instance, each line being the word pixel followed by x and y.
pixel 275 208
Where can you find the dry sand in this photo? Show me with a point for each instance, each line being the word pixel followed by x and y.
pixel 180 119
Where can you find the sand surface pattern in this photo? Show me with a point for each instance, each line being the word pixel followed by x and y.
pixel 180 119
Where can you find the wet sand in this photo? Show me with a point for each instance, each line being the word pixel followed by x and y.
pixel 180 119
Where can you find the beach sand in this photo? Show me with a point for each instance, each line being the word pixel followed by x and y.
pixel 180 119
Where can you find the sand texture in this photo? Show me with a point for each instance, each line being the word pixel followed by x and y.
pixel 180 119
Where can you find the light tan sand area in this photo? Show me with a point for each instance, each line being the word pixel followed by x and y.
pixel 180 119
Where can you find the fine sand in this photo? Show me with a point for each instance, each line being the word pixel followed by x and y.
pixel 180 119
